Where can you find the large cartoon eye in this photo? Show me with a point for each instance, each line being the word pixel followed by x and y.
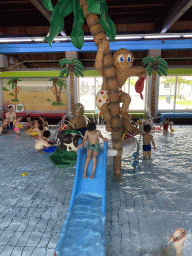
pixel 128 58
pixel 121 58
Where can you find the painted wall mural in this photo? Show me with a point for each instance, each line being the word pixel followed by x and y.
pixel 36 94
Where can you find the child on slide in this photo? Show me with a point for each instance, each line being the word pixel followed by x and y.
pixel 147 138
pixel 93 136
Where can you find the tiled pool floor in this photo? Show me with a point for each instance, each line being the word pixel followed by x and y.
pixel 142 211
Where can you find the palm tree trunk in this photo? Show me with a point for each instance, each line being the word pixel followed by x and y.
pixel 153 89
pixel 72 88
pixel 55 86
pixel 59 96
pixel 15 85
pixel 112 83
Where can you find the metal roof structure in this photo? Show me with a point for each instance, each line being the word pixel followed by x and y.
pixel 29 18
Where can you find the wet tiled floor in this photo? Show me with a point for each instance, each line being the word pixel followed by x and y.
pixel 142 211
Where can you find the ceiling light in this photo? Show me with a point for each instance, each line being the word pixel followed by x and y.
pixel 9 40
pixel 161 36
pixel 189 35
pixel 121 37
pixel 39 39
pixel 61 38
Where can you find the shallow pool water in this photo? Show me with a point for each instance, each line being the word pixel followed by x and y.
pixel 85 227
pixel 142 211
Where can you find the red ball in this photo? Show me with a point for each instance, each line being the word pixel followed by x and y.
pixel 102 92
pixel 100 100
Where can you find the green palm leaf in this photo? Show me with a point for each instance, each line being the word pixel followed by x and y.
pixel 78 66
pixel 10 81
pixel 48 5
pixel 163 65
pixel 65 72
pixel 107 24
pixel 157 58
pixel 77 34
pixel 61 83
pixel 149 69
pixel 60 11
pixel 80 73
pixel 162 70
pixel 100 7
pixel 76 73
pixel 163 62
pixel 147 60
pixel 63 62
pixel 159 73
pixel 77 62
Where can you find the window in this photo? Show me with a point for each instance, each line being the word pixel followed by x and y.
pixel 183 93
pixel 89 87
pixel 166 92
pixel 175 93
pixel 137 104
pixel 167 86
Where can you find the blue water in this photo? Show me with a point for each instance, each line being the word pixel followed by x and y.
pixel 85 228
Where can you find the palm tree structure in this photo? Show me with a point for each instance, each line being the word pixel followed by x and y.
pixel 14 81
pixel 154 65
pixel 101 27
pixel 72 66
pixel 57 91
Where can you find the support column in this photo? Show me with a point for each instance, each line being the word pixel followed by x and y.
pixel 70 55
pixel 152 100
pixel 1 98
pixel 3 65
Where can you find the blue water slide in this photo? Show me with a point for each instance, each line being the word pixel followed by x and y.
pixel 83 229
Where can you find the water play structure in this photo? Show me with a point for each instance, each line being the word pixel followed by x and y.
pixel 83 229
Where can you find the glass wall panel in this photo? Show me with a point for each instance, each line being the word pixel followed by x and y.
pixel 184 93
pixel 166 93
pixel 87 92
pixel 89 87
pixel 136 102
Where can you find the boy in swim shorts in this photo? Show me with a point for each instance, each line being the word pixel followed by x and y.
pixel 93 136
pixel 147 138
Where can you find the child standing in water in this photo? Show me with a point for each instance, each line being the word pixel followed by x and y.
pixel 147 138
pixel 166 125
pixel 93 136
pixel 16 125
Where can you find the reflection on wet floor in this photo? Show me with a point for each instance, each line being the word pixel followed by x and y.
pixel 143 211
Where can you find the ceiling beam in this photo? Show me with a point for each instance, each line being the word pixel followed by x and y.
pixel 173 15
pixel 46 13
pixel 91 47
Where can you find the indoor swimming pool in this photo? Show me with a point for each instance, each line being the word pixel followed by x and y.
pixel 142 211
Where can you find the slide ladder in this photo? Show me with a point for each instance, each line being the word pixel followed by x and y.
pixel 83 229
